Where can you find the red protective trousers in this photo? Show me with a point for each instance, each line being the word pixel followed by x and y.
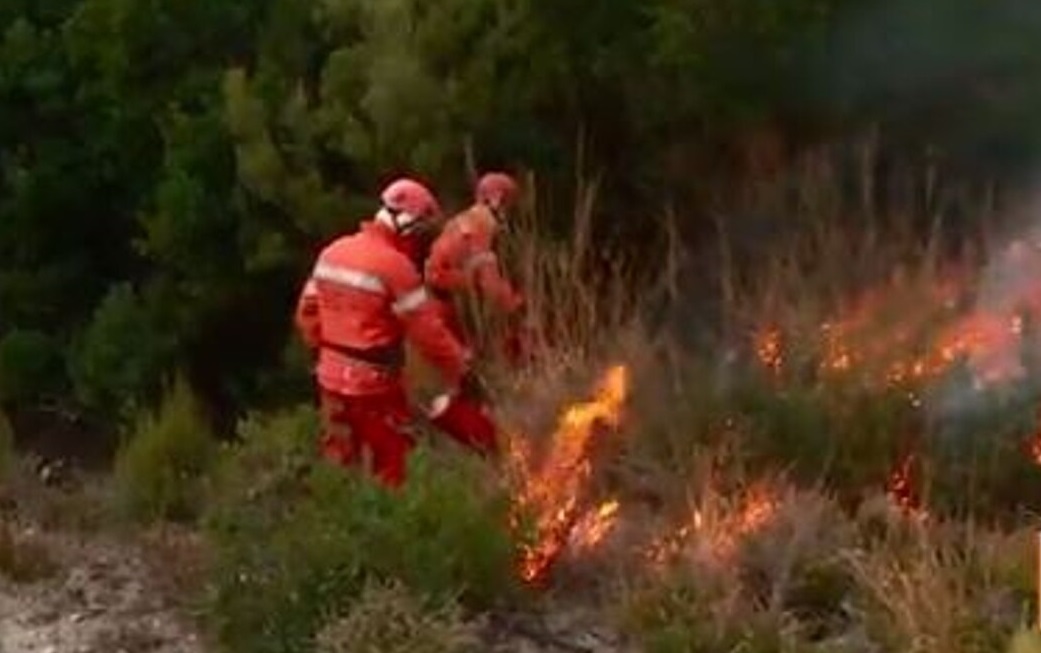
pixel 377 427
pixel 368 426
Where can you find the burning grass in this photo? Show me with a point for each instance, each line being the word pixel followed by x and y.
pixel 814 578
pixel 795 485
pixel 554 486
pixel 897 394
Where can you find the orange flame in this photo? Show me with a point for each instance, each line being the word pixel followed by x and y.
pixel 718 533
pixel 595 526
pixel 888 345
pixel 902 488
pixel 1034 444
pixel 900 336
pixel 769 348
pixel 554 491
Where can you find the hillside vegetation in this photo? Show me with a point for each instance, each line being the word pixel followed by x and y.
pixel 784 267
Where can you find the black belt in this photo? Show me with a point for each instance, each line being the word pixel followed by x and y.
pixel 390 356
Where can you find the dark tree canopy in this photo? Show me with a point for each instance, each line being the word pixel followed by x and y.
pixel 169 168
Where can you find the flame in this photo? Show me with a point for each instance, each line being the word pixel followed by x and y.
pixel 553 492
pixel 595 526
pixel 769 349
pixel 903 336
pixel 717 533
pixel 1034 444
pixel 1035 449
pixel 902 488
pixel 899 334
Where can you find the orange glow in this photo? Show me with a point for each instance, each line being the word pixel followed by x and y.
pixel 591 530
pixel 902 489
pixel 554 491
pixel 716 531
pixel 894 335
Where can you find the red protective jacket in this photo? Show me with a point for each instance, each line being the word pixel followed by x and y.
pixel 363 298
pixel 463 258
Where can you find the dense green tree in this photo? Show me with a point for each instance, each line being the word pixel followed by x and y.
pixel 168 169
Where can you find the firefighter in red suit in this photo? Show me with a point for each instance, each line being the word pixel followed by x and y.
pixel 365 295
pixel 463 260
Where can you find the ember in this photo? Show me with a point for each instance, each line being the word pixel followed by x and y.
pixel 902 489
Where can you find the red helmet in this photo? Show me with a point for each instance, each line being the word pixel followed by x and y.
pixel 408 196
pixel 496 189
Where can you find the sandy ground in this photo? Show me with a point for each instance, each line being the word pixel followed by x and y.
pixel 102 598
pixel 104 592
pixel 118 593
pixel 107 598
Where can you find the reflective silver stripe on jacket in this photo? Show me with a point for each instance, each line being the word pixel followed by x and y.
pixel 410 301
pixel 476 260
pixel 350 278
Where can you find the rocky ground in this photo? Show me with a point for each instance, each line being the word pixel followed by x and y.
pixel 100 596
pixel 106 596
pixel 70 583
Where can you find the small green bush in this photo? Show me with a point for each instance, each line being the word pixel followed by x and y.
pixel 160 470
pixel 118 359
pixel 391 619
pixel 30 366
pixel 297 540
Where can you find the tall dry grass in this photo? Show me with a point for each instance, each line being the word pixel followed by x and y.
pixel 767 490
pixel 708 422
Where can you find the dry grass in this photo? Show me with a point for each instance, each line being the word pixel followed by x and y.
pixel 807 576
pixel 754 559
pixel 704 428
pixel 391 619
pixel 24 556
pixel 944 590
pixel 180 561
pixel 80 503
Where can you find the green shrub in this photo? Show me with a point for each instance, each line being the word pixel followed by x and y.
pixel 159 471
pixel 296 540
pixel 30 366
pixel 391 619
pixel 118 358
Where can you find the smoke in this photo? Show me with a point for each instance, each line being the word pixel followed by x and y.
pixel 1001 371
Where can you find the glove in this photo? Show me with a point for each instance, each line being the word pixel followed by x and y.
pixel 471 387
